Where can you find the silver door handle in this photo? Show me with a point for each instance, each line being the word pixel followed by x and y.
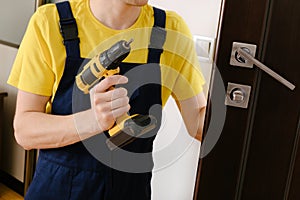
pixel 242 52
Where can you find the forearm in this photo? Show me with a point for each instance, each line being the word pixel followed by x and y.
pixel 201 117
pixel 194 121
pixel 193 113
pixel 37 130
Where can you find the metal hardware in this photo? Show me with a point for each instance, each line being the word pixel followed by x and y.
pixel 266 69
pixel 243 55
pixel 236 59
pixel 237 95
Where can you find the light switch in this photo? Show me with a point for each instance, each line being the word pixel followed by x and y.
pixel 204 48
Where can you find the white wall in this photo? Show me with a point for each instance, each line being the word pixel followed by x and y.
pixel 201 15
pixel 175 169
pixel 14 16
pixel 13 156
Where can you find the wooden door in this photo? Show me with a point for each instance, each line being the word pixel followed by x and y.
pixel 257 155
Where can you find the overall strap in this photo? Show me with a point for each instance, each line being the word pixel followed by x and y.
pixel 68 29
pixel 158 36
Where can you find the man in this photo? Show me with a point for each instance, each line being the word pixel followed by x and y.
pixel 44 72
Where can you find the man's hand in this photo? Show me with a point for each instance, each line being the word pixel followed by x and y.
pixel 107 103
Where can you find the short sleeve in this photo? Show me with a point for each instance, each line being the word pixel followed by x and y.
pixel 31 71
pixel 181 69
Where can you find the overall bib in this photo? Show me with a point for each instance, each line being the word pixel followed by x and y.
pixel 71 172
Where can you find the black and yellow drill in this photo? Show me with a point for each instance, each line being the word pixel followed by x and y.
pixel 127 127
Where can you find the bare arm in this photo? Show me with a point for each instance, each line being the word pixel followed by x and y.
pixel 36 129
pixel 193 114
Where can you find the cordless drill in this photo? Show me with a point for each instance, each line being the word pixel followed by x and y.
pixel 127 127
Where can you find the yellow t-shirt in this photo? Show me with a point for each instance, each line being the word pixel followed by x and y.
pixel 40 61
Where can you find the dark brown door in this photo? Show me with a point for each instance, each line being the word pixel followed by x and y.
pixel 258 153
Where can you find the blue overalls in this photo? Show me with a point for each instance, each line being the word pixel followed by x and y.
pixel 71 172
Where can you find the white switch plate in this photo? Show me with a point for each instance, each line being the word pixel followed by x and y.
pixel 205 47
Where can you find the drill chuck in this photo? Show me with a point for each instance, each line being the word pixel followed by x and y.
pixel 111 58
pixel 100 65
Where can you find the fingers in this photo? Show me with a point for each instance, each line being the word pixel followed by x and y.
pixel 119 102
pixel 109 104
pixel 110 81
pixel 112 115
pixel 102 91
pixel 110 95
pixel 106 117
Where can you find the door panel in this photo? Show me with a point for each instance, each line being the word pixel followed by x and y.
pixel 256 156
pixel 277 112
pixel 293 188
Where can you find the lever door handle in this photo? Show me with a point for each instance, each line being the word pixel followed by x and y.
pixel 242 52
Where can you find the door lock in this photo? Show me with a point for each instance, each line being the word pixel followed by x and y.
pixel 237 95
